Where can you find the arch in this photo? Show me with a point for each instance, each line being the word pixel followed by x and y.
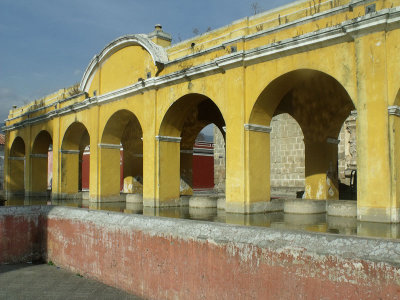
pixel 18 147
pixel 181 124
pixel 122 170
pixel 320 105
pixel 113 131
pixel 293 88
pixel 158 54
pixel 41 164
pixel 76 137
pixel 41 142
pixel 189 110
pixel 16 179
pixel 397 98
pixel 74 142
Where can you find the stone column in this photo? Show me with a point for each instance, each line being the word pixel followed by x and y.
pixel 110 172
pixel 168 172
pixel 16 177
pixel 39 163
pixel 186 172
pixel 394 136
pixel 321 169
pixel 219 161
pixel 373 166
pixel 257 170
pixel 69 173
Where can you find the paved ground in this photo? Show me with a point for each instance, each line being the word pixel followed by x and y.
pixel 29 281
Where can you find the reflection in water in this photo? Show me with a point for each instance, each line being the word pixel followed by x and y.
pixel 278 220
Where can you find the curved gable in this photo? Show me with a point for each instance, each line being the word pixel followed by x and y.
pixel 122 63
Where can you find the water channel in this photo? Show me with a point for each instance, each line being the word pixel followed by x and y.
pixel 321 222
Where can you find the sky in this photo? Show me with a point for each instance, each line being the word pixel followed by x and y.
pixel 46 45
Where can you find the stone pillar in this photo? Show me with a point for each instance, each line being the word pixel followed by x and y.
pixel 16 175
pixel 28 165
pixel 168 173
pixel 219 161
pixel 394 136
pixel 110 172
pixel 321 169
pixel 347 152
pixel 186 172
pixel 373 166
pixel 39 163
pixel 257 169
pixel 69 173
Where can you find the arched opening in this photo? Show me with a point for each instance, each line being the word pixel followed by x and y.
pixel 180 128
pixel 122 158
pixel 16 180
pixel 320 105
pixel 41 164
pixel 75 140
pixel 347 159
pixel 287 157
pixel 203 162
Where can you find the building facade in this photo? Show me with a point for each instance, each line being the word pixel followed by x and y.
pixel 318 63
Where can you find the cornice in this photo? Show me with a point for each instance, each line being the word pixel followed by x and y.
pixel 345 32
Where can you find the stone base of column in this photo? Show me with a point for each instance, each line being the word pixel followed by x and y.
pixel 246 208
pixel 108 199
pixel 8 194
pixel 133 198
pixel 304 206
pixel 164 203
pixel 46 194
pixel 379 215
pixel 203 201
pixel 341 208
pixel 65 196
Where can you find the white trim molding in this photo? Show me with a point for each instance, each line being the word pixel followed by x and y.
pixel 16 157
pixel 187 151
pixel 258 128
pixel 172 139
pixel 109 146
pixel 394 110
pixel 39 155
pixel 333 141
pixel 69 151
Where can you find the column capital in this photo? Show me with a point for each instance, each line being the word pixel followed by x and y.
pixel 256 127
pixel 394 110
pixel 172 139
pixel 69 151
pixel 39 155
pixel 16 157
pixel 109 146
pixel 332 141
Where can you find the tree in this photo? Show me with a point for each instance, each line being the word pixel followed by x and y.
pixel 255 8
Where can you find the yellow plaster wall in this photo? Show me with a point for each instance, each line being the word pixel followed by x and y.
pixel 366 66
pixel 121 69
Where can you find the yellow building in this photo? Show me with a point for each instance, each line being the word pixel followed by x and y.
pixel 316 60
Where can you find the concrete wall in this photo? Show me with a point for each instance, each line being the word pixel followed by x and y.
pixel 162 258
